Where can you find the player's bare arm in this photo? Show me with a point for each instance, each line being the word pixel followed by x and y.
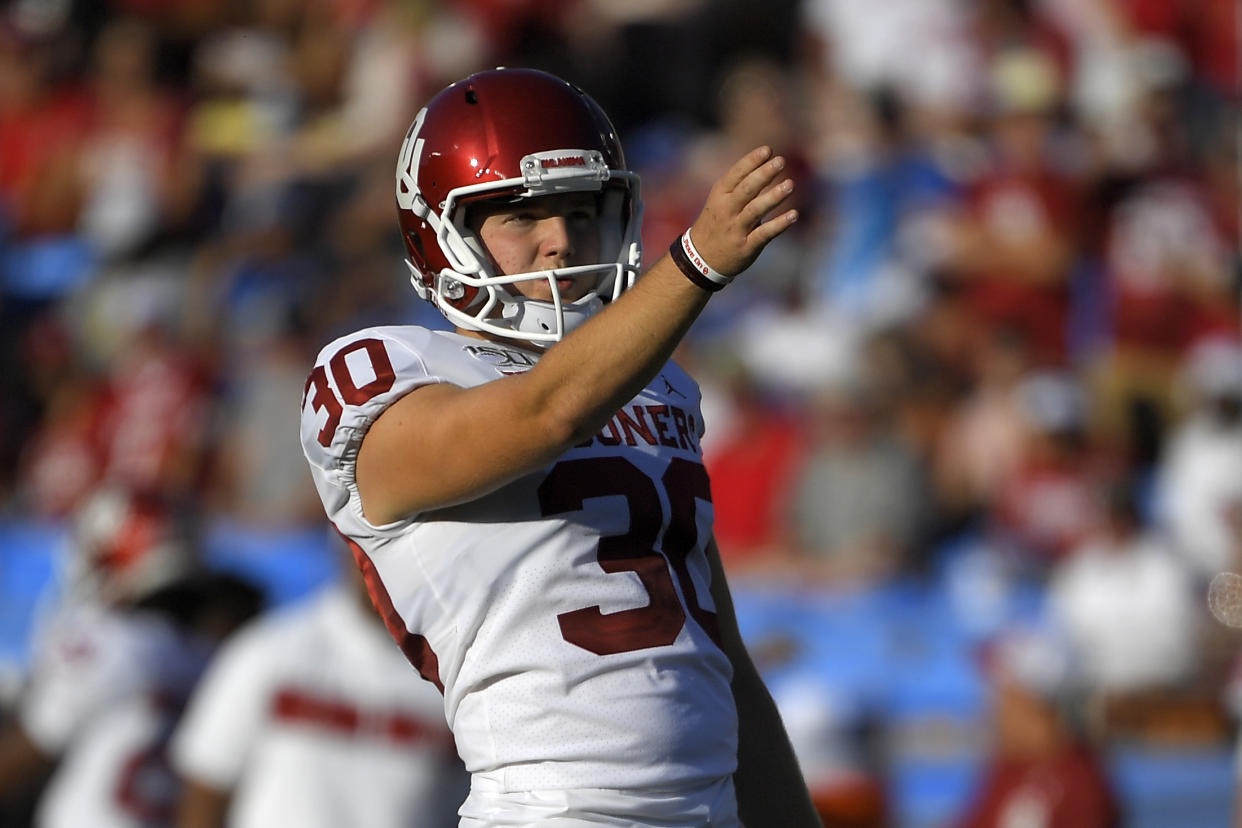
pixel 441 444
pixel 202 806
pixel 22 765
pixel 770 790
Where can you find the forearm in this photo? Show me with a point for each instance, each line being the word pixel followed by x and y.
pixel 770 786
pixel 202 806
pixel 22 765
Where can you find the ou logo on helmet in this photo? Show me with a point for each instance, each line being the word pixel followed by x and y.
pixel 407 165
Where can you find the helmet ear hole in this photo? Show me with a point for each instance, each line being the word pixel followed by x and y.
pixel 416 242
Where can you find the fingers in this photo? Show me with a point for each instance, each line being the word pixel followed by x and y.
pixel 766 201
pixel 770 229
pixel 744 166
pixel 755 194
pixel 758 179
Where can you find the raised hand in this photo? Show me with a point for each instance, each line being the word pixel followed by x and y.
pixel 731 231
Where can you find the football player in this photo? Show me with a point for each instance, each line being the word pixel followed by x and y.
pixel 310 717
pixel 525 495
pixel 136 623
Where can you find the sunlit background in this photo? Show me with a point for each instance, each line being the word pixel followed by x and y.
pixel 981 407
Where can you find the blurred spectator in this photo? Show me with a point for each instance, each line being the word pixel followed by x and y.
pixel 1200 476
pixel 921 48
pixel 1041 771
pixel 751 459
pixel 984 443
pixel 155 425
pixel 1199 30
pixel 136 622
pixel 1128 604
pixel 256 478
pixel 121 398
pixel 41 124
pixel 1118 67
pixel 888 202
pixel 312 716
pixel 1168 251
pixel 1014 245
pixel 127 153
pixel 1168 268
pixel 857 500
pixel 59 462
pixel 1044 508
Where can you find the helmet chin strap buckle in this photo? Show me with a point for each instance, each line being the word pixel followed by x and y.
pixel 450 288
pixel 416 281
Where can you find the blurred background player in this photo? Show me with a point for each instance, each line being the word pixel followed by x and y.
pixel 135 622
pixel 312 717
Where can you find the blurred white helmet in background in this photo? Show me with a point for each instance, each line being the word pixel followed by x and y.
pixel 126 544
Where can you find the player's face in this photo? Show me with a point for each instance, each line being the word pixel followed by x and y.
pixel 543 233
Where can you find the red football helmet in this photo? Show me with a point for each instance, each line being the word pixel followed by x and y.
pixel 126 544
pixel 511 133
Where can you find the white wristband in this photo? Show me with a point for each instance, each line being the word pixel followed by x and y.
pixel 699 264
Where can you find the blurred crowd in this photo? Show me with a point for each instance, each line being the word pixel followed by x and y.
pixel 1006 337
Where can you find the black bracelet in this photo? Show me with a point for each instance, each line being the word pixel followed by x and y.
pixel 695 269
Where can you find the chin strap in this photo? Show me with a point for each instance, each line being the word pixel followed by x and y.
pixel 532 317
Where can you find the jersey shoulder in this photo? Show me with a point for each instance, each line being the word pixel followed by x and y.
pixel 354 379
pixel 357 377
pixel 90 660
pixel 677 382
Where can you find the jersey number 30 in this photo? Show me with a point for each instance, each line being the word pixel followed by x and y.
pixel 569 484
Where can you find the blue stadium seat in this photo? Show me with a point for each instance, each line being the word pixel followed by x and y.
pixel 27 564
pixel 1183 787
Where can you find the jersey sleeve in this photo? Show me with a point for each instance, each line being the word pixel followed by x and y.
pixel 225 716
pixel 354 380
pixel 85 664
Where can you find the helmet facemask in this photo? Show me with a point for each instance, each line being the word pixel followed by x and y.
pixel 497 309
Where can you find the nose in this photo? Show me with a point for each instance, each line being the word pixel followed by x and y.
pixel 557 241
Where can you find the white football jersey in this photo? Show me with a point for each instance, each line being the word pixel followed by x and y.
pixel 311 717
pixel 566 616
pixel 105 693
